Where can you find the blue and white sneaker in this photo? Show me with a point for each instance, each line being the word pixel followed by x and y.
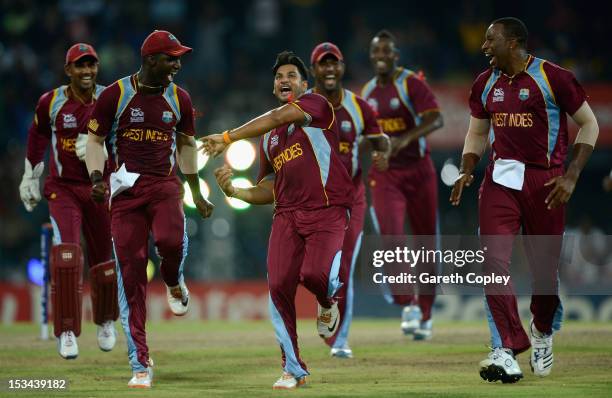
pixel 424 332
pixel 541 360
pixel 142 379
pixel 411 319
pixel 342 352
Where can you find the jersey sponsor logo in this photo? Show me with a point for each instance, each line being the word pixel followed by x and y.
pixel 504 119
pixel 289 154
pixel 167 117
pixel 523 94
pixel 273 141
pixel 345 147
pixel 67 144
pixel 136 115
pixel 394 103
pixel 346 126
pixel 373 103
pixel 145 135
pixel 392 125
pixel 70 121
pixel 93 125
pixel 498 95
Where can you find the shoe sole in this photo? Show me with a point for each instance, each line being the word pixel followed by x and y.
pixel 300 383
pixel 69 356
pixel 494 373
pixel 342 355
pixel 140 387
pixel 421 337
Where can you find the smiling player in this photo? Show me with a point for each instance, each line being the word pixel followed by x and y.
pixel 60 120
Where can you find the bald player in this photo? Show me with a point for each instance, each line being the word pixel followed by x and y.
pixel 521 103
pixel 60 120
pixel 151 122
pixel 302 174
pixel 356 120
pixel 407 111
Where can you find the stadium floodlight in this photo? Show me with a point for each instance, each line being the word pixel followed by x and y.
pixel 202 160
pixel 188 199
pixel 239 182
pixel 240 155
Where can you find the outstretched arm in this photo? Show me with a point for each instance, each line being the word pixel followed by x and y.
pixel 215 144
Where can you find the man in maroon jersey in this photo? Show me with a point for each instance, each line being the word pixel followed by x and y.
pixel 61 118
pixel 355 119
pixel 151 121
pixel 521 102
pixel 302 174
pixel 407 111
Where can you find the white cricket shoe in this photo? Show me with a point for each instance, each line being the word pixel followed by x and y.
pixel 142 379
pixel 178 298
pixel 424 332
pixel 541 361
pixel 288 382
pixel 328 320
pixel 342 352
pixel 411 319
pixel 500 365
pixel 107 336
pixel 67 345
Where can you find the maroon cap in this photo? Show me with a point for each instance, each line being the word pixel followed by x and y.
pixel 79 51
pixel 323 49
pixel 161 41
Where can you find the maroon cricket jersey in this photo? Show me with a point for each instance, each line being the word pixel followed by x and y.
pixel 528 111
pixel 59 118
pixel 399 105
pixel 355 119
pixel 309 174
pixel 143 126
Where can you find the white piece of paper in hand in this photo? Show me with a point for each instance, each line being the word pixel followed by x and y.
pixel 509 173
pixel 121 180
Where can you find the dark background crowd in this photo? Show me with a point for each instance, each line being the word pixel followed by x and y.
pixel 229 78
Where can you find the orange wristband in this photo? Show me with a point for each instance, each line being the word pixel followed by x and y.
pixel 226 137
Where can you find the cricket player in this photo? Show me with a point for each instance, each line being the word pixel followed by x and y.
pixel 407 111
pixel 151 122
pixel 355 119
pixel 302 174
pixel 521 103
pixel 60 120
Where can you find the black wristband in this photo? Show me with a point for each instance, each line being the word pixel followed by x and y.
pixel 95 176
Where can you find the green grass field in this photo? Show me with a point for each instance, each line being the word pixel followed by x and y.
pixel 242 359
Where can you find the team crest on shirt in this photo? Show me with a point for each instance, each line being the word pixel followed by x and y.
pixel 523 94
pixel 273 141
pixel 346 126
pixel 373 103
pixel 498 95
pixel 137 116
pixel 70 122
pixel 394 103
pixel 167 116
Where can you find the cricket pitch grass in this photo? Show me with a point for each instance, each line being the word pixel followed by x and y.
pixel 242 359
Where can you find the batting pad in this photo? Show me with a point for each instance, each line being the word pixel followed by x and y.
pixel 66 287
pixel 104 298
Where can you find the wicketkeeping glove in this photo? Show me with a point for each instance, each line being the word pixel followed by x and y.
pixel 81 147
pixel 29 189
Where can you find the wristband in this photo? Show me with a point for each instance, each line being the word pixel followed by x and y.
pixel 226 137
pixel 95 176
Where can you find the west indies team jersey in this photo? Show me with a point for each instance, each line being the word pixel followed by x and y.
pixel 143 127
pixel 399 106
pixel 355 119
pixel 528 111
pixel 304 160
pixel 59 119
